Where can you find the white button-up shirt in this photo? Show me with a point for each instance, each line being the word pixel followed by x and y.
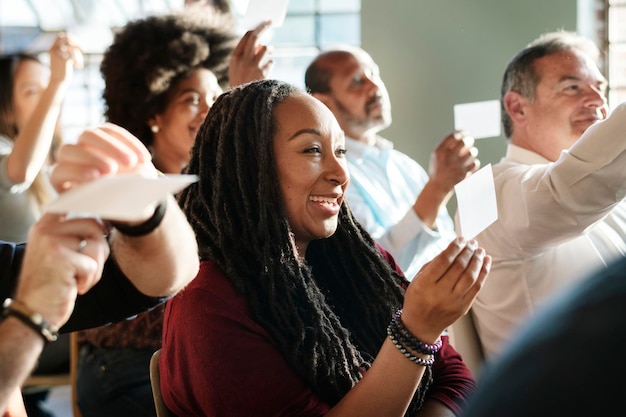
pixel 558 222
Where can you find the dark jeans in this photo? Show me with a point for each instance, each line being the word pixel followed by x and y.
pixel 114 383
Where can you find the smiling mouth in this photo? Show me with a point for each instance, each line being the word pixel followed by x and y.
pixel 333 201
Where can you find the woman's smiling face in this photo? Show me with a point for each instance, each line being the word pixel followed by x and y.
pixel 189 101
pixel 309 148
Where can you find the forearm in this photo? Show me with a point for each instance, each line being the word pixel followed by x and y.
pixel 430 201
pixel 555 202
pixel 20 348
pixel 386 389
pixel 162 262
pixel 16 405
pixel 32 144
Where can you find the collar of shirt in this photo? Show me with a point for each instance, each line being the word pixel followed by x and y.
pixel 523 156
pixel 358 149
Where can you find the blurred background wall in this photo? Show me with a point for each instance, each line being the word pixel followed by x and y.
pixel 435 54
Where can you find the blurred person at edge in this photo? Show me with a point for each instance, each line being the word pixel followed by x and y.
pixel 31 98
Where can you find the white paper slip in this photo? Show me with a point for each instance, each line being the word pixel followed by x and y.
pixel 119 197
pixel 480 119
pixel 261 10
pixel 476 202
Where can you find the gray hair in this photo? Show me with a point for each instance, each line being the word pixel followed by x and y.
pixel 520 75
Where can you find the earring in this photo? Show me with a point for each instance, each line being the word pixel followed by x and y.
pixel 154 128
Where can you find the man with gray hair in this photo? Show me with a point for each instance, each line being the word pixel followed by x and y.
pixel 560 187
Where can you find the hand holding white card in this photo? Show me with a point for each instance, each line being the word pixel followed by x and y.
pixel 480 119
pixel 119 197
pixel 476 202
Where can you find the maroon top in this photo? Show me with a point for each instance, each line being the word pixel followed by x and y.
pixel 216 361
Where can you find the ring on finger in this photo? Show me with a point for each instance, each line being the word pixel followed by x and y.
pixel 81 245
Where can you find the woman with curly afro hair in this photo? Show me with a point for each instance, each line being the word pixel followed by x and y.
pixel 162 74
pixel 160 67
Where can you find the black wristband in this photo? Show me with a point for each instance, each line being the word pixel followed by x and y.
pixel 12 308
pixel 146 227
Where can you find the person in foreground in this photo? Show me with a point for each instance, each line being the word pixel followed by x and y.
pixel 563 361
pixel 392 196
pixel 290 312
pixel 56 268
pixel 144 267
pixel 560 187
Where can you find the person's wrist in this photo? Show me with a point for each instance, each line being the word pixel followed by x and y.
pixel 439 188
pixel 420 328
pixel 146 227
pixel 414 349
pixel 30 318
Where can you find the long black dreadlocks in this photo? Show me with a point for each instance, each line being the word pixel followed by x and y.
pixel 328 315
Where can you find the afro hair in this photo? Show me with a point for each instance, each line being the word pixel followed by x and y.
pixel 149 55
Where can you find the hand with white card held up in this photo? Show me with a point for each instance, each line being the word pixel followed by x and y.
pixel 108 173
pixel 454 158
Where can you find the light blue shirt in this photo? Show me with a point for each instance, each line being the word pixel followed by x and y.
pixel 384 184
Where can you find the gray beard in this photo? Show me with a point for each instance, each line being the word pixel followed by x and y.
pixel 365 123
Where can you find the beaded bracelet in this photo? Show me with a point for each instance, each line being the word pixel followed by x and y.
pixel 405 351
pixel 13 308
pixel 146 227
pixel 411 341
pixel 403 339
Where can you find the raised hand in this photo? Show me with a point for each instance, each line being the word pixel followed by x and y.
pixel 106 150
pixel 65 55
pixel 63 258
pixel 453 159
pixel 248 60
pixel 444 289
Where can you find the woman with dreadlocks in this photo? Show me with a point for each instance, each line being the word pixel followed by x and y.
pixel 295 310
